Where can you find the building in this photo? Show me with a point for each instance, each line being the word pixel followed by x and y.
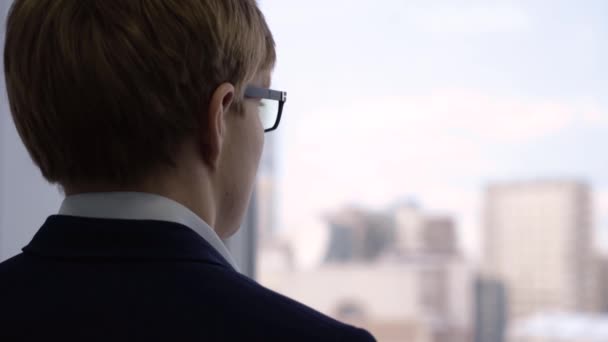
pixel 370 279
pixel 394 300
pixel 418 232
pixel 602 267
pixel 490 310
pixel 439 236
pixel 538 243
pixel 358 235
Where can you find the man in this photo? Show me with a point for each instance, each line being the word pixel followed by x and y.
pixel 150 115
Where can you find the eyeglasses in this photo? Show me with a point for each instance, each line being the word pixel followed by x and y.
pixel 271 105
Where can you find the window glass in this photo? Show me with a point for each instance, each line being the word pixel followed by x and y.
pixel 439 173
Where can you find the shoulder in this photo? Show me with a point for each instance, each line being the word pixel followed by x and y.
pixel 234 305
pixel 275 314
pixel 13 265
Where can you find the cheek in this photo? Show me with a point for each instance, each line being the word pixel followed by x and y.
pixel 246 140
pixel 256 132
pixel 259 142
pixel 240 163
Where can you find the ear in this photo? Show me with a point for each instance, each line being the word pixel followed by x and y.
pixel 212 130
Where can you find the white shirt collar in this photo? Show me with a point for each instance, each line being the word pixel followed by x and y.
pixel 141 206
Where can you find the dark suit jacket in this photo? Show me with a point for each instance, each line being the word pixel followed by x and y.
pixel 86 279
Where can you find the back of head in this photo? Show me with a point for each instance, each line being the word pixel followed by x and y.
pixel 105 91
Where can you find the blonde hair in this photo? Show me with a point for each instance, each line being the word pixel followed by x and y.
pixel 107 90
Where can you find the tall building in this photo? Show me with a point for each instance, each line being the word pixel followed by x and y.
pixel 420 233
pixel 358 235
pixel 602 267
pixel 490 310
pixel 538 243
pixel 439 236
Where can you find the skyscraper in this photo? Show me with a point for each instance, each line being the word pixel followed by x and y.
pixel 358 235
pixel 538 243
pixel 418 232
pixel 490 310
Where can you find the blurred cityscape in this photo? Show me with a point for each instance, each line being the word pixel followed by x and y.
pixel 400 272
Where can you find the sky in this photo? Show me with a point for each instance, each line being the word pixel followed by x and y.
pixel 433 100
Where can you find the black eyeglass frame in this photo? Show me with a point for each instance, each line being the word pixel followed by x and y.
pixel 268 94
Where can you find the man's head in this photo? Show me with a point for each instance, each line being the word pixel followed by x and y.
pixel 113 94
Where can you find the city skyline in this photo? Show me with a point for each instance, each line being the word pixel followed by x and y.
pixel 433 99
pixel 398 271
pixel 534 227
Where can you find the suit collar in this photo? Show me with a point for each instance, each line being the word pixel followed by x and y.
pixel 142 206
pixel 85 238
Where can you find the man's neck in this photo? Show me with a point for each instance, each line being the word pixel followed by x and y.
pixel 194 191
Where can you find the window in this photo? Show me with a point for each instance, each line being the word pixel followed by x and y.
pixel 464 137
